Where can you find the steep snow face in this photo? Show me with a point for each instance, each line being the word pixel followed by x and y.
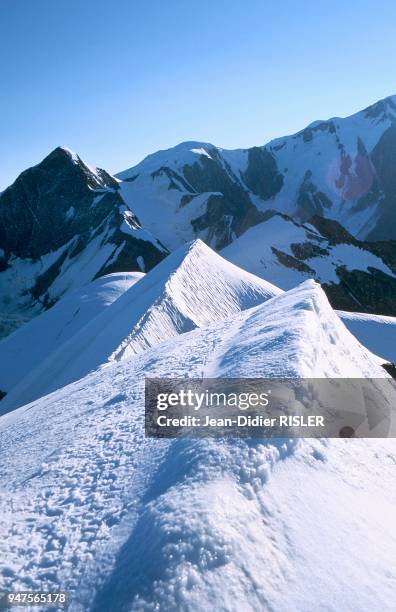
pixel 62 224
pixel 37 339
pixel 376 332
pixel 192 288
pixel 126 522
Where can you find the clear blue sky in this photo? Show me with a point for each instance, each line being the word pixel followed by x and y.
pixel 118 79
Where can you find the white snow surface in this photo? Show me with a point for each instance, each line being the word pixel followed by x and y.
pixel 37 339
pixel 130 523
pixel 191 288
pixel 75 272
pixel 187 152
pixel 160 210
pixel 376 332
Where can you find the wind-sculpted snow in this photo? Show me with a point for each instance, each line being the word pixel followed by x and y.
pixel 130 523
pixel 192 288
pixel 35 341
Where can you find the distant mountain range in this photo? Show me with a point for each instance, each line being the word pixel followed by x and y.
pixel 177 268
pixel 318 204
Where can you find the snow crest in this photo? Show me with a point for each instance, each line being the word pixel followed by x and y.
pixel 191 288
pixel 127 522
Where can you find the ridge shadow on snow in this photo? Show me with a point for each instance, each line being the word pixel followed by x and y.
pixel 376 332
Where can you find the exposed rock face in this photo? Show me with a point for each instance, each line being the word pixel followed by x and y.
pixel 228 213
pixel 51 202
pixel 310 200
pixel 369 291
pixel 199 183
pixel 356 275
pixel 62 224
pixel 262 176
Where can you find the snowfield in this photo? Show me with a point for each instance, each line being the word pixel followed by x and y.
pixel 130 523
pixel 33 342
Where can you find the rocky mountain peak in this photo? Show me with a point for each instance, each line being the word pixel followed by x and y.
pixel 383 109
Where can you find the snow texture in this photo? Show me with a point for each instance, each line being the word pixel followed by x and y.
pixel 253 252
pixel 191 288
pixel 129 523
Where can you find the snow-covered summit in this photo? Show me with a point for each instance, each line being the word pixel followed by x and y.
pixel 191 288
pixel 340 168
pixel 187 152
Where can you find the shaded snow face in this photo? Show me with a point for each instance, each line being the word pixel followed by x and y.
pixel 376 332
pixel 35 341
pixel 128 522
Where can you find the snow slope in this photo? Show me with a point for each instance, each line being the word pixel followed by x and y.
pixel 191 288
pixel 156 187
pixel 36 340
pixel 129 523
pixel 254 251
pixel 377 333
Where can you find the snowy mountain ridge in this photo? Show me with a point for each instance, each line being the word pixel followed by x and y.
pixel 339 168
pixel 64 222
pixel 115 516
pixel 191 288
pixel 253 205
